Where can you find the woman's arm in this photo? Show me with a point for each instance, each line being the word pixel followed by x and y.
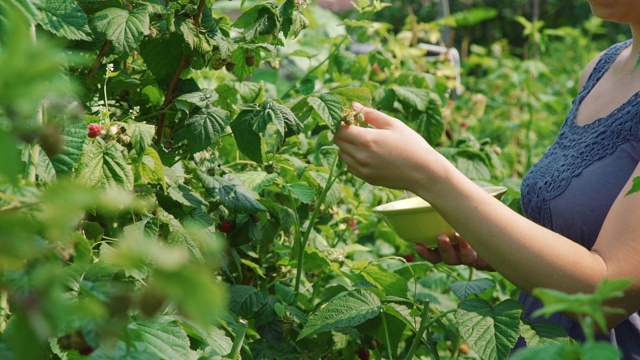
pixel 527 254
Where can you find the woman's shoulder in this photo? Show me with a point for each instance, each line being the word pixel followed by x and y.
pixel 588 69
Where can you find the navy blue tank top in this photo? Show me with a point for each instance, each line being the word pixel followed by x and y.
pixel 571 189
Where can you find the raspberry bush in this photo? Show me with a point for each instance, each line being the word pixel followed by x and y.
pixel 170 189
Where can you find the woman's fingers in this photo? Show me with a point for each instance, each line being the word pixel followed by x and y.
pixel 448 252
pixel 431 255
pixel 468 256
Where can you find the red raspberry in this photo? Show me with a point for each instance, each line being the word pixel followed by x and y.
pixel 94 130
pixel 363 354
pixel 375 68
pixel 409 258
pixel 227 226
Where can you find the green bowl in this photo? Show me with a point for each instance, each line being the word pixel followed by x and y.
pixel 415 220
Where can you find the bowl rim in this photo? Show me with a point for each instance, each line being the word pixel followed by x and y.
pixel 493 190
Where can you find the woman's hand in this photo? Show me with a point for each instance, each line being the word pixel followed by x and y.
pixel 453 254
pixel 390 154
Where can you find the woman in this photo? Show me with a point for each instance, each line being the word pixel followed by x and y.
pixel 580 227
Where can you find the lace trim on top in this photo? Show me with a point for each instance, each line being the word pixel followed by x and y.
pixel 579 146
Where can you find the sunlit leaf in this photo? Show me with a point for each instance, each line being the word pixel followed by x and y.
pixel 463 289
pixel 104 165
pixel 65 18
pixel 490 330
pixel 346 310
pixel 124 28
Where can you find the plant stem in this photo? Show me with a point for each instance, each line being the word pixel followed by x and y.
pixel 238 340
pixel 98 60
pixel 171 91
pixel 386 335
pixel 305 238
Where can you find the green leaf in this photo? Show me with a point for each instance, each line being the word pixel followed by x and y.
pixel 232 195
pixel 329 109
pixel 391 283
pixel 358 94
pixel 293 21
pixel 302 192
pixel 201 99
pixel 413 97
pixel 464 289
pixel 241 69
pixel 65 18
pixel 246 300
pixel 124 28
pixel 164 337
pixel 104 165
pixel 74 136
pixel 163 56
pixel 259 20
pixel 599 351
pixel 547 352
pixel 10 160
pixel 491 331
pixel 543 332
pixel 429 123
pixel 151 168
pixel 256 180
pixel 141 135
pixel 346 310
pixel 202 128
pixel 250 144
pixel 237 197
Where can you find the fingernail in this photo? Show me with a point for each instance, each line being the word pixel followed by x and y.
pixel 443 237
pixel 357 106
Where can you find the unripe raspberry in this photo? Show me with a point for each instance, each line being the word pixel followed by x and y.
pixel 94 130
pixel 250 60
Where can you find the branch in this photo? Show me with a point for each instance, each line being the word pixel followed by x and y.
pixel 171 91
pixel 98 60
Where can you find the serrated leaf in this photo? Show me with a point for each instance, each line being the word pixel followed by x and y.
pixel 258 20
pixel 65 18
pixel 202 128
pixel 250 144
pixel 346 310
pixel 391 283
pixel 463 289
pixel 241 69
pixel 256 180
pixel 151 168
pixel 414 97
pixel 141 135
pixel 232 195
pixel 429 123
pixel 246 300
pixel 178 235
pixel 329 109
pixel 74 137
pixel 202 99
pixel 358 94
pixel 104 165
pixel 237 197
pixel 491 331
pixel 293 21
pixel 543 332
pixel 302 192
pixel 164 337
pixel 124 28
